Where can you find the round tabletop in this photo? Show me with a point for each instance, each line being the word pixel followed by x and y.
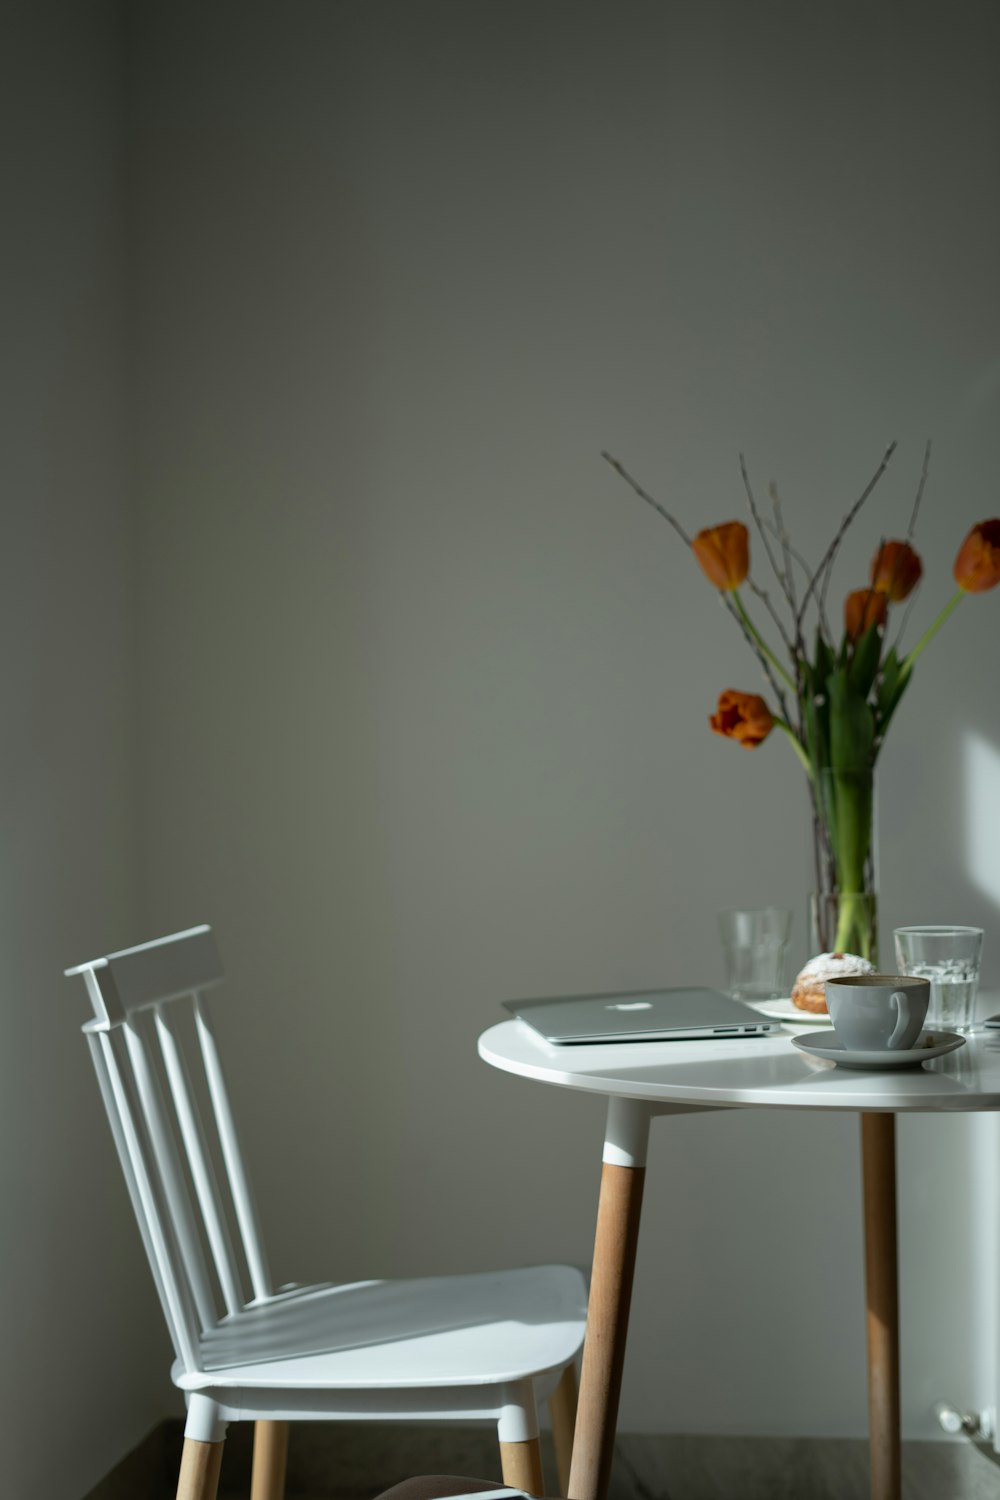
pixel 753 1071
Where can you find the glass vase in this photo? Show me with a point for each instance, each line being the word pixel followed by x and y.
pixel 843 909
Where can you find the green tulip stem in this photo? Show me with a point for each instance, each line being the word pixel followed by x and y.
pixel 761 643
pixel 932 630
pixel 854 925
pixel 797 746
pixel 845 806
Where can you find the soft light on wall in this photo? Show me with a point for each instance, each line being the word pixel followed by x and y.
pixel 982 814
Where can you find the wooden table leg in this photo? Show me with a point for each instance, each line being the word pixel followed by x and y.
pixel 622 1179
pixel 878 1161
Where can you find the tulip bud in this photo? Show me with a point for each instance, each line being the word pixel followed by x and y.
pixel 862 609
pixel 896 570
pixel 723 553
pixel 977 566
pixel 743 717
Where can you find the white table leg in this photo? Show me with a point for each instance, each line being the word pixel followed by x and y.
pixel 622 1179
pixel 878 1162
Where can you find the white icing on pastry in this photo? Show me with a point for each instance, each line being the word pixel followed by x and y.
pixel 833 966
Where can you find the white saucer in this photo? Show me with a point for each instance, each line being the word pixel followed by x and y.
pixel 929 1044
pixel 786 1010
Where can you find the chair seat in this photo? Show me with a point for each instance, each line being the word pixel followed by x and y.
pixel 434 1331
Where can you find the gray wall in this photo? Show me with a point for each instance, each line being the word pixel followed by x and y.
pixel 82 1352
pixel 415 712
pixel 426 688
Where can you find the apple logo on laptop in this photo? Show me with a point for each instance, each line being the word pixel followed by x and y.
pixel 630 1005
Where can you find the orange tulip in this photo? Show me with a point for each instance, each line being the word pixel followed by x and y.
pixel 742 717
pixel 977 566
pixel 896 570
pixel 724 554
pixel 862 608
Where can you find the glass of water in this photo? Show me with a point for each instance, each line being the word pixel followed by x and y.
pixel 949 958
pixel 754 944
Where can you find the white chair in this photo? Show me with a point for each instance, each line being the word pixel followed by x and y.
pixel 455 1348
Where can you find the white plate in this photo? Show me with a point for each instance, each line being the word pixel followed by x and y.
pixel 929 1044
pixel 786 1010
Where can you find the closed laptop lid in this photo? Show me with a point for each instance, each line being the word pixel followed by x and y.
pixel 653 1015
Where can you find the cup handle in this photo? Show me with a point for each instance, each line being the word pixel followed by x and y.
pixel 901 1000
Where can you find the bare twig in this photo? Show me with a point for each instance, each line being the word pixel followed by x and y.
pixel 778 573
pixel 920 492
pixel 726 598
pixel 826 564
pixel 797 649
pixel 635 485
pixel 785 540
pixel 808 571
pixel 769 675
pixel 904 619
pixel 872 591
pixel 765 599
pixel 909 537
pixel 794 552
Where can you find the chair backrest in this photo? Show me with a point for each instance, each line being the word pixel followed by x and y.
pixel 155 1054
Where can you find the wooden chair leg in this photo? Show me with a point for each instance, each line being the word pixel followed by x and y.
pixel 521 1466
pixel 200 1466
pixel 270 1456
pixel 562 1409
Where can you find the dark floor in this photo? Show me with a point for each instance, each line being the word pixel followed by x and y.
pixel 714 1468
pixel 355 1461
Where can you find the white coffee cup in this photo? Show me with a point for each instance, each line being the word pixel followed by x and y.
pixel 878 1012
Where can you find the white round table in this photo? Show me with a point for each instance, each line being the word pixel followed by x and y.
pixel 644 1079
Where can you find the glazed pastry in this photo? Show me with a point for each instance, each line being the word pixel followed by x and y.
pixel 809 989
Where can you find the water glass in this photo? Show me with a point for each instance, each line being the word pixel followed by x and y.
pixel 949 958
pixel 754 944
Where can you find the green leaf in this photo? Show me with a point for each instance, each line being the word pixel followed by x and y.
pixel 852 724
pixel 814 723
pixel 847 807
pixel 864 662
pixel 848 787
pixel 895 680
pixel 889 682
pixel 824 661
pixel 845 786
pixel 816 715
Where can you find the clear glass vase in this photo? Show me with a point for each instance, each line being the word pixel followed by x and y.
pixel 843 909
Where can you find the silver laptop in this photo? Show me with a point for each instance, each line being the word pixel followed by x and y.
pixel 641 1015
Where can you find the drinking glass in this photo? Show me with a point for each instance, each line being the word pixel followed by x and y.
pixel 754 943
pixel 949 958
